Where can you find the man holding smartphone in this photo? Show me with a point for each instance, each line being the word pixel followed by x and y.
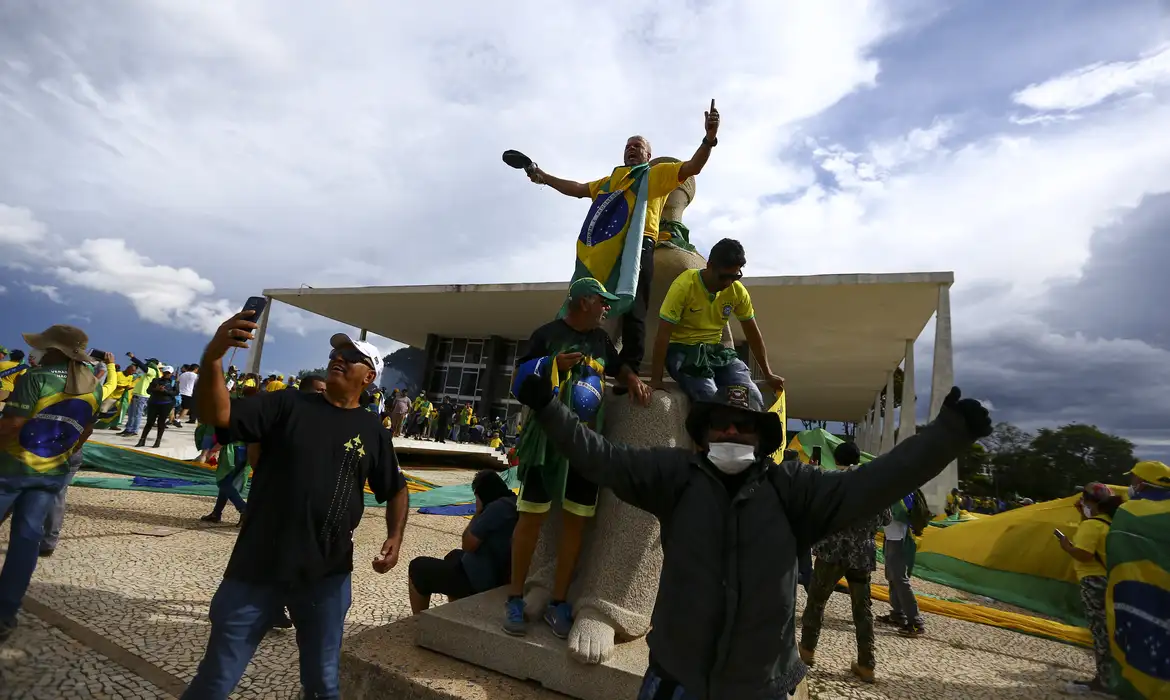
pixel 295 547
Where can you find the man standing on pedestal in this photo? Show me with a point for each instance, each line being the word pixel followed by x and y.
pixel 628 199
pixel 573 355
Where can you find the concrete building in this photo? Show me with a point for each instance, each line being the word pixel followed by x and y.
pixel 836 339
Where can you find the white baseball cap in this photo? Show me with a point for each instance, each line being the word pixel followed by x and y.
pixel 340 340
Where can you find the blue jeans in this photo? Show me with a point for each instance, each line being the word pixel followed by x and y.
pixel 137 410
pixel 56 516
pixel 242 612
pixel 655 688
pixel 699 389
pixel 30 498
pixel 228 490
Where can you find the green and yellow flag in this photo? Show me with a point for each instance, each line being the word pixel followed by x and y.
pixel 1137 601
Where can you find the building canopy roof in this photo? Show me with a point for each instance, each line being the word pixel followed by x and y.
pixel 833 337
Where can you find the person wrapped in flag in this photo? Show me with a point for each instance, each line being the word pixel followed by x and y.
pixel 1137 592
pixel 574 354
pixel 628 199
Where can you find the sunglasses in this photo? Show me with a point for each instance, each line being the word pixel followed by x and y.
pixel 730 276
pixel 722 420
pixel 351 356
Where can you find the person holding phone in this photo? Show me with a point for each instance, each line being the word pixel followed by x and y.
pixel 1095 508
pixel 629 201
pixel 295 547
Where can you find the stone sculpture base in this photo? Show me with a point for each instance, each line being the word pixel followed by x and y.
pixel 384 662
pixel 469 629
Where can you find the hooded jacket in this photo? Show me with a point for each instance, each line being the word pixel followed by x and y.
pixel 723 621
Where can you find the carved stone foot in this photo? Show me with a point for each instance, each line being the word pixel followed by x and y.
pixel 592 638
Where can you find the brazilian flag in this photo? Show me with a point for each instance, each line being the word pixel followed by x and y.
pixel 1137 600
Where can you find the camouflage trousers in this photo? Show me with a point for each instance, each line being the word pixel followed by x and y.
pixel 824 579
pixel 1093 598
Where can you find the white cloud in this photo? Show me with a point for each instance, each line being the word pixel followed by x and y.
pixel 1093 84
pixel 177 297
pixel 48 290
pixel 3 289
pixel 18 227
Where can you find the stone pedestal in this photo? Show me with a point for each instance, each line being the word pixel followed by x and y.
pixel 385 662
pixel 469 630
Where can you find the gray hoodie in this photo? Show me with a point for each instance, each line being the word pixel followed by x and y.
pixel 723 622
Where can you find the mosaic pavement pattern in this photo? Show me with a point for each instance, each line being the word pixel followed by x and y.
pixel 120 611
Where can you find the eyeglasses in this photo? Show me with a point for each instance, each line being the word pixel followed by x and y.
pixel 731 276
pixel 352 356
pixel 722 419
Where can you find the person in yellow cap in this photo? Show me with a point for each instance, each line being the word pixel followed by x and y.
pixel 277 383
pixel 1137 556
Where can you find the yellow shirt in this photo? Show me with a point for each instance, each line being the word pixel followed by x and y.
pixel 125 381
pixel 276 385
pixel 9 383
pixel 663 181
pixel 697 314
pixel 494 443
pixel 1090 536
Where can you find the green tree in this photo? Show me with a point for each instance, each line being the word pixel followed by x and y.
pixel 1076 454
pixel 899 380
pixel 323 371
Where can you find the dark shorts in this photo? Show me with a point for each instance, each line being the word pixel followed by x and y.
pixel 444 576
pixel 579 498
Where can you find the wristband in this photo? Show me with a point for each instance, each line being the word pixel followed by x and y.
pixel 711 142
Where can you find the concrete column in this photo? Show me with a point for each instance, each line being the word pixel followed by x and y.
pixel 943 373
pixel 888 419
pixel 875 435
pixel 257 349
pixel 941 379
pixel 362 335
pixel 908 416
pixel 859 433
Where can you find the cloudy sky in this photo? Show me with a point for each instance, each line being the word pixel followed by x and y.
pixel 163 160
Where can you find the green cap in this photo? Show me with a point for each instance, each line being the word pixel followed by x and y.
pixel 587 286
pixel 3 350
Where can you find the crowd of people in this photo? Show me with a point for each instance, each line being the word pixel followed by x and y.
pixel 735 523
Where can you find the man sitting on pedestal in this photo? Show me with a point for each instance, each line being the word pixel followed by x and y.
pixel 690 329
pixel 572 354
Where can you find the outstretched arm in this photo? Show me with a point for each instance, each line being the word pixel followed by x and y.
pixel 658 354
pixel 565 187
pixel 820 503
pixel 646 478
pixel 694 166
pixel 215 405
pixel 755 340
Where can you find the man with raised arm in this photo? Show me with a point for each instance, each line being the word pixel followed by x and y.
pixel 629 199
pixel 295 547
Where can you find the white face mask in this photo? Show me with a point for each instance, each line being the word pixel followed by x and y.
pixel 1086 510
pixel 731 457
pixel 1132 491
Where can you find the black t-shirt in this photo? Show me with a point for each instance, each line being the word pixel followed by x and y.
pixel 557 336
pixel 307 491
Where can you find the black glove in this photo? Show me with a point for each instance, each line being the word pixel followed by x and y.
pixel 976 417
pixel 535 392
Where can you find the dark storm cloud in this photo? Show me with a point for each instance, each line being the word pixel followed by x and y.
pixel 1124 291
pixel 1101 354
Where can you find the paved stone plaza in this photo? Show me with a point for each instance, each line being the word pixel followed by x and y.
pixel 120 611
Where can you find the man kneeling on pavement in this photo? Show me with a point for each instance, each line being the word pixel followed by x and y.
pixel 732 523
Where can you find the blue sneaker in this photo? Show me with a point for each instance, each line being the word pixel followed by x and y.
pixel 514 617
pixel 559 616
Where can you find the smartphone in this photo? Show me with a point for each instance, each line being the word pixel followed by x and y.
pixel 99 355
pixel 256 304
pixel 1058 534
pixel 816 455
